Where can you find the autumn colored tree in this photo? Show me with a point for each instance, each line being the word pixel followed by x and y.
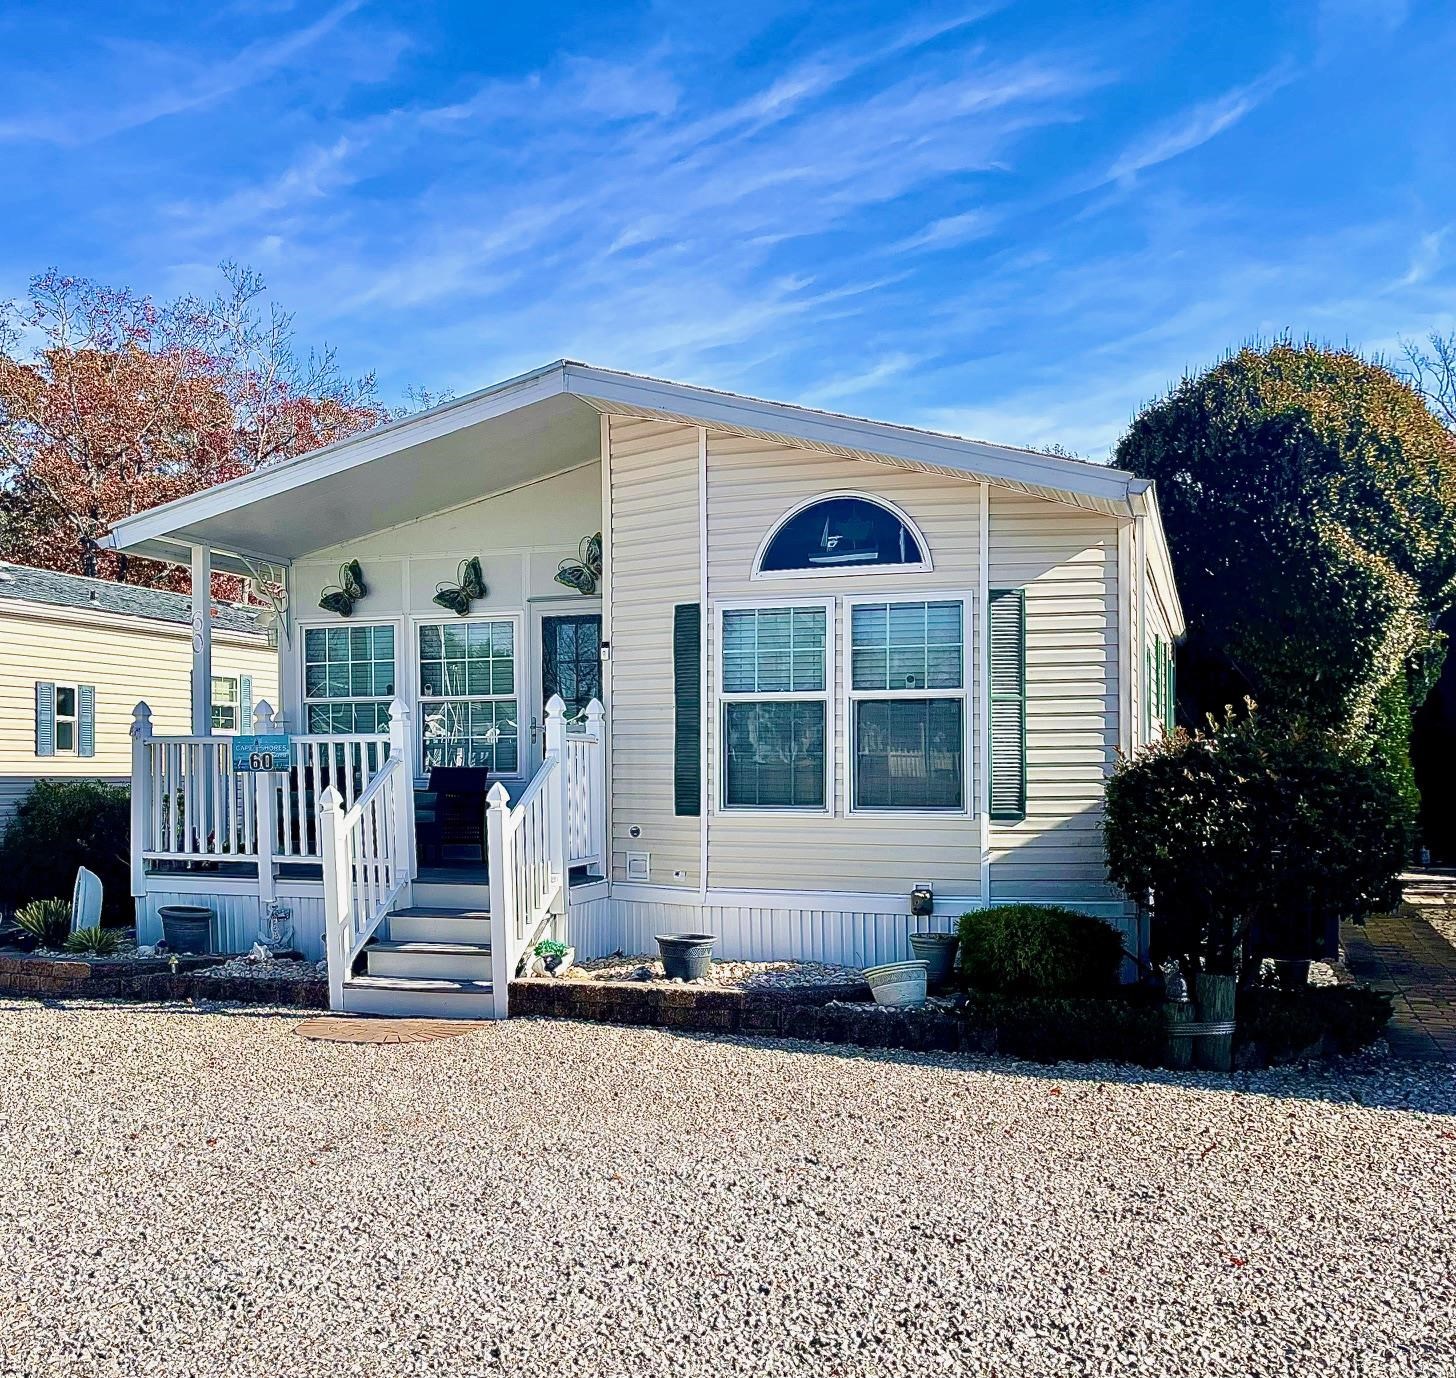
pixel 111 404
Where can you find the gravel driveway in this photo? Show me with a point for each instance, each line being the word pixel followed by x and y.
pixel 197 1194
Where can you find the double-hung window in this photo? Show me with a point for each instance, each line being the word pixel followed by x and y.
pixel 66 719
pixel 776 694
pixel 907 704
pixel 469 709
pixel 224 703
pixel 348 678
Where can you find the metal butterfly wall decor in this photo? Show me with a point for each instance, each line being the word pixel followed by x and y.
pixel 458 597
pixel 341 597
pixel 583 573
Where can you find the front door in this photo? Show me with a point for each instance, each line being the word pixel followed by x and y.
pixel 570 665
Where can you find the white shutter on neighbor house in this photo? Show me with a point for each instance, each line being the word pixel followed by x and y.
pixel 1008 703
pixel 45 718
pixel 85 720
pixel 245 703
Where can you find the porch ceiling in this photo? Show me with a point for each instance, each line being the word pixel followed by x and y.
pixel 429 472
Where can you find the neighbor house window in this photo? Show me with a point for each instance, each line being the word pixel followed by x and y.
pixel 224 703
pixel 66 719
pixel 348 678
pixel 469 711
pixel 840 533
pixel 907 704
pixel 775 691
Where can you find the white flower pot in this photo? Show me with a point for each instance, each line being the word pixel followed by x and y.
pixel 898 983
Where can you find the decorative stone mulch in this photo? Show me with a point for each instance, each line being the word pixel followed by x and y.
pixel 722 975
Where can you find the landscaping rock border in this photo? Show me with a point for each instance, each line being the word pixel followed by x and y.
pixel 149 978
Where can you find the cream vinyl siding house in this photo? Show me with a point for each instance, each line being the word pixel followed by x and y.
pixel 840 660
pixel 115 649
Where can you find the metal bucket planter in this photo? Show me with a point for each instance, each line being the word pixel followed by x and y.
pixel 686 956
pixel 937 951
pixel 186 927
pixel 897 983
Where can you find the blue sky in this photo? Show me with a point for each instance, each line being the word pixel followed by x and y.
pixel 1016 221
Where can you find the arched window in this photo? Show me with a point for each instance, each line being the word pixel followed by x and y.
pixel 843 531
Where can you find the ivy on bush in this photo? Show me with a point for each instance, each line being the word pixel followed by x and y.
pixel 1251 840
pixel 62 825
pixel 1038 949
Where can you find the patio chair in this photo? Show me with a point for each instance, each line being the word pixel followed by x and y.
pixel 452 811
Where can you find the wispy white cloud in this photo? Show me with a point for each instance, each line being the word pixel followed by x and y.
pixel 947 232
pixel 1196 126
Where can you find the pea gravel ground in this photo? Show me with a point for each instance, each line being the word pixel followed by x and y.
pixel 194 1194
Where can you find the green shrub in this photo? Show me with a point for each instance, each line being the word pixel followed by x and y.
pixel 1126 1028
pixel 1251 841
pixel 98 942
pixel 62 825
pixel 47 921
pixel 1285 1024
pixel 1038 949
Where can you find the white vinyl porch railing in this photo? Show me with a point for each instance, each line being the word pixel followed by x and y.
pixel 368 863
pixel 586 791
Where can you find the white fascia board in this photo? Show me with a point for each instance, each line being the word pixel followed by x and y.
pixel 172 519
pixel 704 406
pixel 1143 500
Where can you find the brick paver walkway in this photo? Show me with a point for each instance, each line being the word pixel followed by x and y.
pixel 1402 953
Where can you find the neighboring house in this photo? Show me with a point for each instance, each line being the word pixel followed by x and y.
pixel 80 653
pixel 839 660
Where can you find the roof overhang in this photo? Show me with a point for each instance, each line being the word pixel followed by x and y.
pixel 542 423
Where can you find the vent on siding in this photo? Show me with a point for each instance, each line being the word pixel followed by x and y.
pixel 1008 703
pixel 687 684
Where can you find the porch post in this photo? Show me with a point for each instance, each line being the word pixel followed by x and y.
pixel 404 812
pixel 338 891
pixel 560 800
pixel 265 796
pixel 502 893
pixel 596 729
pixel 141 794
pixel 201 641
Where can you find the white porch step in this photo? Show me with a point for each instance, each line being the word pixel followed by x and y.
pixel 425 925
pixel 450 961
pixel 451 894
pixel 418 997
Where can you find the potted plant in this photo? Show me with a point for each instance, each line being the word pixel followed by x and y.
pixel 552 958
pixel 938 952
pixel 686 956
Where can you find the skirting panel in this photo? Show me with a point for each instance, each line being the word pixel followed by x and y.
pixel 239 916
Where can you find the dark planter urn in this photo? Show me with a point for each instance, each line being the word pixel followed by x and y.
pixel 187 927
pixel 686 956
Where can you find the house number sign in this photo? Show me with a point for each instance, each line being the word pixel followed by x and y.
pixel 262 753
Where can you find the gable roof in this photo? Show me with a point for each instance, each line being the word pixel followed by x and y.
pixel 24 584
pixel 546 422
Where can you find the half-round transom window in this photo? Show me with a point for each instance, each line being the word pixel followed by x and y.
pixel 842 533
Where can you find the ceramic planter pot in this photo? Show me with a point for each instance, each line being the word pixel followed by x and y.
pixel 686 956
pixel 897 983
pixel 187 927
pixel 937 951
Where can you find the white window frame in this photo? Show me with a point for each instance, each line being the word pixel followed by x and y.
pixel 237 705
pixel 718 797
pixel 73 717
pixel 922 566
pixel 967 599
pixel 301 630
pixel 523 686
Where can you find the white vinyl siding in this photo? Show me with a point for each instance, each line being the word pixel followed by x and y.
pixel 1066 562
pixel 654 559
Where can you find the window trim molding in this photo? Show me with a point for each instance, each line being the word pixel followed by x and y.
pixel 924 566
pixel 717 796
pixel 524 688
pixel 57 717
pixel 967 598
pixel 300 660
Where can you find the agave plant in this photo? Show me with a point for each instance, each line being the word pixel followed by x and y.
pixel 97 942
pixel 47 921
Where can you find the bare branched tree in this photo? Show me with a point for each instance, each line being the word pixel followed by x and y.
pixel 1430 368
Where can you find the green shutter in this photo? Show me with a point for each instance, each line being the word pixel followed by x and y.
pixel 85 720
pixel 1170 688
pixel 245 703
pixel 45 718
pixel 687 684
pixel 1008 703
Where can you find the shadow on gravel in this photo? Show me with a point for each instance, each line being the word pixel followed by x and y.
pixel 1379 1082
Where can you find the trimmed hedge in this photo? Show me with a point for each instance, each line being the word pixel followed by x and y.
pixel 1324 1019
pixel 59 826
pixel 1036 949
